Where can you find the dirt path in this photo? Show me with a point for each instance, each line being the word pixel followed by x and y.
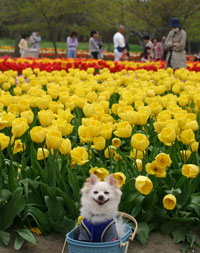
pixel 157 243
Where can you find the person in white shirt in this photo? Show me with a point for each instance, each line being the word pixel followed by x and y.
pixel 23 44
pixel 119 43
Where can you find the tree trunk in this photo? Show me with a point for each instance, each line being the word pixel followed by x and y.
pixel 17 39
pixel 53 38
pixel 109 42
pixel 55 47
pixel 139 37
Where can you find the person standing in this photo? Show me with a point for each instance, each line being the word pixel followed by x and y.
pixel 148 43
pixel 157 49
pixel 164 48
pixel 93 44
pixel 23 44
pixel 175 44
pixel 72 44
pixel 35 42
pixel 119 43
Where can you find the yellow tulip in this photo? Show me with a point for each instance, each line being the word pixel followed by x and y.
pixel 18 146
pixel 17 91
pixel 115 108
pixel 117 157
pixel 36 230
pixel 143 185
pixel 187 137
pixel 88 109
pixel 13 108
pixel 65 114
pixel 123 129
pixel 167 136
pixel 4 141
pixel 28 115
pixel 53 92
pixel 139 164
pixel 139 142
pixel 23 105
pixel 43 102
pixel 155 108
pixel 163 160
pixel 53 139
pixel 84 134
pixel 45 117
pixel 142 117
pixel 185 154
pixel 3 123
pixel 37 134
pixel 79 155
pixel 110 151
pixel 137 154
pixel 99 143
pixel 6 100
pixel 65 146
pixel 190 170
pixel 195 146
pixel 106 131
pixel 62 125
pixel 8 117
pixel 169 202
pixel 154 169
pixel 116 142
pixel 99 172
pixel 130 116
pixel 19 127
pixel 120 178
pixel 42 153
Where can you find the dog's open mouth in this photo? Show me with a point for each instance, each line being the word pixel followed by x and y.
pixel 101 202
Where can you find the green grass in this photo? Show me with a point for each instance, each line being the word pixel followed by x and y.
pixel 62 45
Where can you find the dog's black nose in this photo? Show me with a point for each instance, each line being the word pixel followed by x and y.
pixel 100 197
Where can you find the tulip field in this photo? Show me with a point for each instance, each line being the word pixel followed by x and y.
pixel 63 119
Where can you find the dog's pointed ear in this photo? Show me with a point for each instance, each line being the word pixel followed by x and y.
pixel 110 180
pixel 93 179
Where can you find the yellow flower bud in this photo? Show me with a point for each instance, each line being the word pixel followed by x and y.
pixel 143 185
pixel 169 202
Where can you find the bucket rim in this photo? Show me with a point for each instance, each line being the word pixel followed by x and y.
pixel 98 244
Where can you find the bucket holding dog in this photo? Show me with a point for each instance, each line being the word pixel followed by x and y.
pixel 118 246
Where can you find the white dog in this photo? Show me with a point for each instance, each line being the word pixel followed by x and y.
pixel 99 201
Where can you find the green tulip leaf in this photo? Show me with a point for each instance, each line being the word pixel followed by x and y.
pixel 55 209
pixel 190 239
pixel 15 205
pixel 26 235
pixel 18 242
pixel 4 237
pixel 143 232
pixel 179 234
pixel 137 203
pixel 39 217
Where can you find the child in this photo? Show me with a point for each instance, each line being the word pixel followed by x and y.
pixel 23 44
pixel 146 56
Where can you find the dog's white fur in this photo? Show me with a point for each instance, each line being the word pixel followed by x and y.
pixel 100 200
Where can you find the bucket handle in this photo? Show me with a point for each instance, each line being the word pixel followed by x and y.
pixel 63 249
pixel 126 244
pixel 128 216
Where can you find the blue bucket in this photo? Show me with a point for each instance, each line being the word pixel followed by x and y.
pixel 119 246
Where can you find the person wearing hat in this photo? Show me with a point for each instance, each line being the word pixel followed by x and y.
pixel 148 43
pixel 175 44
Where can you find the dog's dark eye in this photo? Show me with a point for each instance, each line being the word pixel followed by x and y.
pixel 95 192
pixel 106 193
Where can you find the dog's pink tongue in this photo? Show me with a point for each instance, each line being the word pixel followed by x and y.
pixel 101 202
